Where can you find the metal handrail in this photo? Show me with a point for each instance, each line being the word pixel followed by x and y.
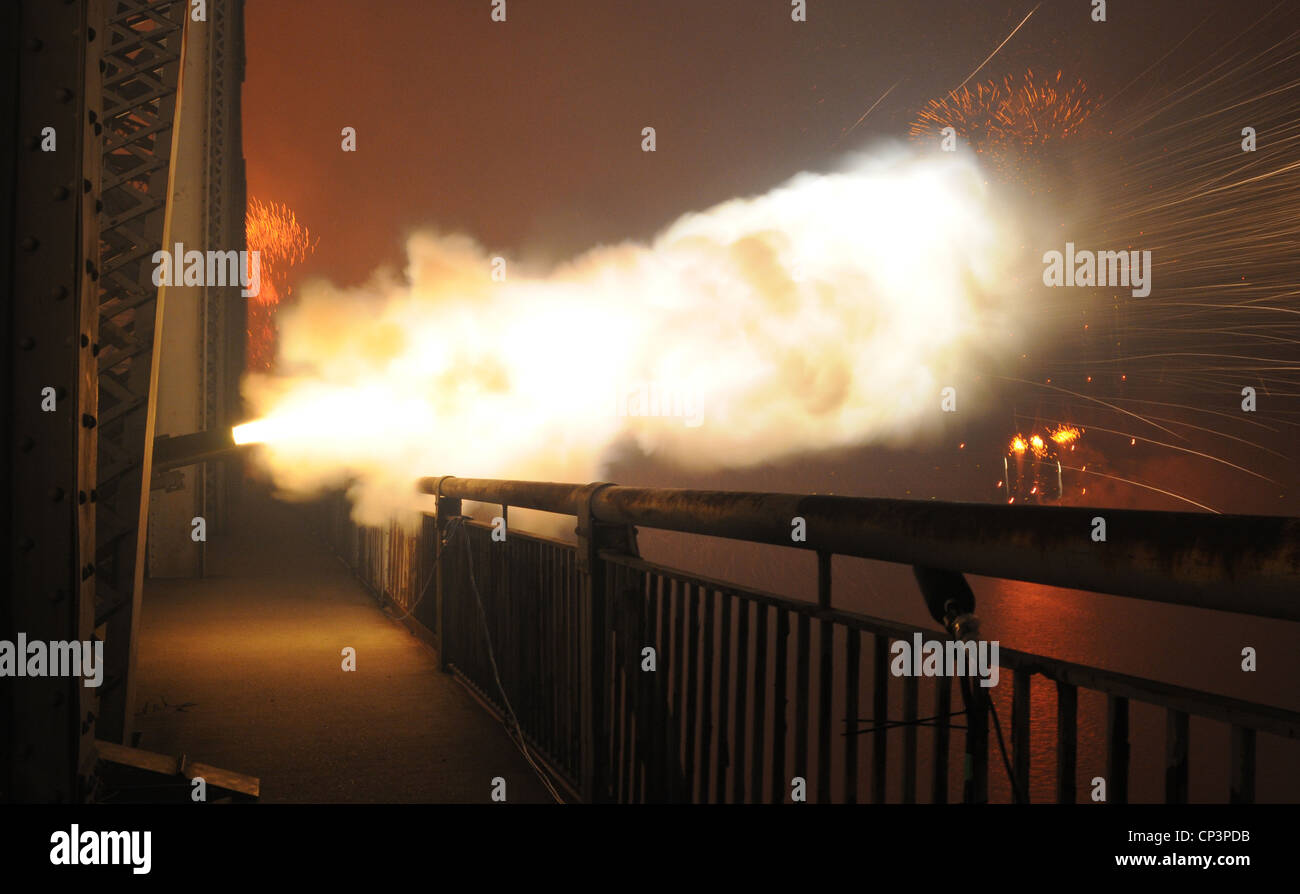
pixel 1247 564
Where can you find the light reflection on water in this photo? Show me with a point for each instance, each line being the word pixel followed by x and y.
pixel 1188 647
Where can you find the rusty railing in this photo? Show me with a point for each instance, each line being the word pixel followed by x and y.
pixel 752 693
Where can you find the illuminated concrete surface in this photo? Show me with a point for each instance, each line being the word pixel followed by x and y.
pixel 242 670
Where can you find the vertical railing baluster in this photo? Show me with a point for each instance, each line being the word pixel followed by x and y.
pixel 443 587
pixel 802 662
pixel 671 645
pixel 1242 786
pixel 725 746
pixel 1176 741
pixel 1117 749
pixel 667 766
pixel 780 707
pixel 681 661
pixel 1020 712
pixel 760 702
pixel 575 659
pixel 740 740
pixel 942 739
pixel 910 685
pixel 706 722
pixel 542 662
pixel 978 730
pixel 853 672
pixel 694 653
pixel 623 654
pixel 657 629
pixel 1067 741
pixel 554 664
pixel 879 716
pixel 825 679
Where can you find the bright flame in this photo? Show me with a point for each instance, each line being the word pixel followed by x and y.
pixel 1018 444
pixel 252 432
pixel 1066 434
pixel 831 311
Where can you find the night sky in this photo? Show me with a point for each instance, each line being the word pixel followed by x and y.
pixel 526 135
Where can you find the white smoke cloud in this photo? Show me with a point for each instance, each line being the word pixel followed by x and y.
pixel 828 312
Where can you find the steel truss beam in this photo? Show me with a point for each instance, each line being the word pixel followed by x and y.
pixel 141 68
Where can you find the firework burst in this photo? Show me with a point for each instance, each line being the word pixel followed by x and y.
pixel 273 231
pixel 1011 121
pixel 1165 384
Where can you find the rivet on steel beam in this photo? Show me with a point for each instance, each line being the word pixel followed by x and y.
pixel 94 349
pixel 63 94
pixel 26 444
pixel 29 243
pixel 60 193
pixel 58 293
pixel 56 494
pixel 91 269
pixel 27 343
pixel 87 420
pixel 90 34
pixel 85 339
pixel 85 185
pixel 88 572
pixel 94 495
pixel 81 497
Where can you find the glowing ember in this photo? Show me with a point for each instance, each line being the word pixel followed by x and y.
pixel 1066 434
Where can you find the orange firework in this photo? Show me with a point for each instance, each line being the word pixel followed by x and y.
pixel 1066 434
pixel 273 231
pixel 1009 120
